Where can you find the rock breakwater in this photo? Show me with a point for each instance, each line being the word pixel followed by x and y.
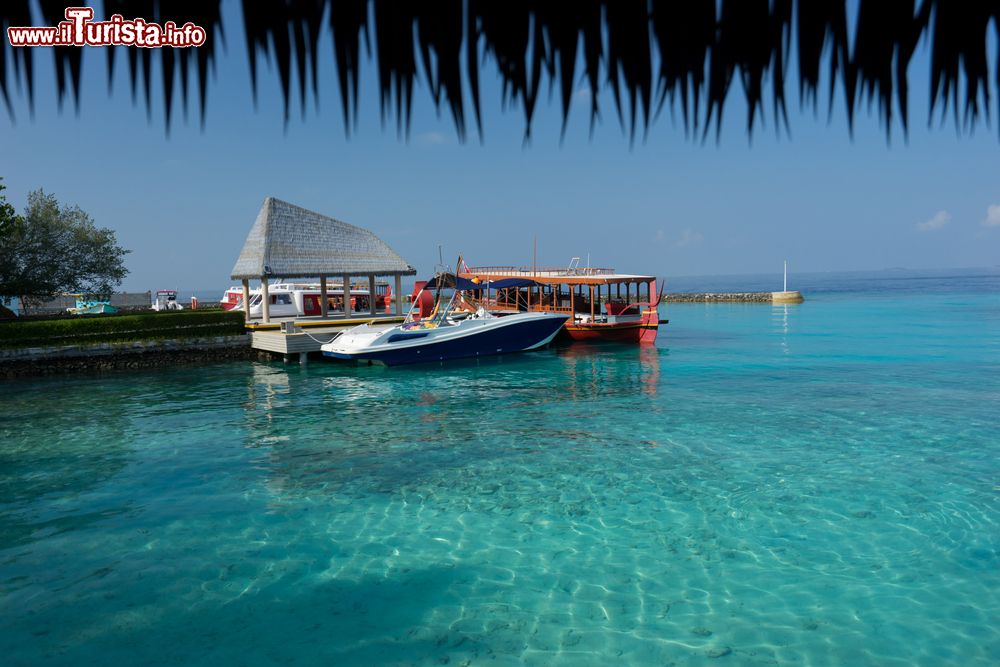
pixel 718 297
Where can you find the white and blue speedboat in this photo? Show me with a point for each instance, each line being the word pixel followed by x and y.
pixel 446 328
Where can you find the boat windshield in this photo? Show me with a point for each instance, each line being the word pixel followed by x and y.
pixel 433 308
pixel 440 306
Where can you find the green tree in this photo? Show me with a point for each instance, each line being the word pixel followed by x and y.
pixel 55 248
pixel 11 227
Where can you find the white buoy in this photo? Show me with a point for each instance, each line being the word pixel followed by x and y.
pixel 784 296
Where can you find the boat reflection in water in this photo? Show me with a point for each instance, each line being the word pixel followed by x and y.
pixel 591 370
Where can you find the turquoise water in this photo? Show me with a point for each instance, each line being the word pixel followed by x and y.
pixel 794 485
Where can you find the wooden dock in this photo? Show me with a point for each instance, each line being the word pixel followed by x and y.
pixel 296 338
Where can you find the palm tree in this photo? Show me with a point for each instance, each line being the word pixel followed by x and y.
pixel 678 55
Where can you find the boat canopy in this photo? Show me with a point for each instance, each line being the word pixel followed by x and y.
pixel 449 280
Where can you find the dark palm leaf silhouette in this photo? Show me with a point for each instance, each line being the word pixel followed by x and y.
pixel 678 55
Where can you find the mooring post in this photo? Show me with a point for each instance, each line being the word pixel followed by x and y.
pixel 347 296
pixel 246 299
pixel 265 300
pixel 324 305
pixel 399 295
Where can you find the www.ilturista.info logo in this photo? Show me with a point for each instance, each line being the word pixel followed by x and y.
pixel 79 29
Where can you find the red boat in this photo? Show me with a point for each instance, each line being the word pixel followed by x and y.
pixel 602 302
pixel 627 323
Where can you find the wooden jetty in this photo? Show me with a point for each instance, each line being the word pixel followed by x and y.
pixel 295 338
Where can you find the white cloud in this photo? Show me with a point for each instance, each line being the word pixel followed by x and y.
pixel 660 235
pixel 431 139
pixel 940 219
pixel 992 218
pixel 688 238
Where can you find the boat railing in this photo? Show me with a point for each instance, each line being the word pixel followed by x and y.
pixel 504 304
pixel 548 271
pixel 546 308
pixel 498 304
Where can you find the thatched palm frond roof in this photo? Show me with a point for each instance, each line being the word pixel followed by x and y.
pixel 288 241
pixel 682 55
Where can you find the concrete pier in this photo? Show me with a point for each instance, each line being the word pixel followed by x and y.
pixel 787 296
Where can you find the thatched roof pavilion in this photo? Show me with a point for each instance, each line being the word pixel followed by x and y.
pixel 288 241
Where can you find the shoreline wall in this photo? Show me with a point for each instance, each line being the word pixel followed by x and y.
pixel 103 357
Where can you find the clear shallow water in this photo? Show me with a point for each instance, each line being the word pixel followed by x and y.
pixel 807 485
pixel 893 282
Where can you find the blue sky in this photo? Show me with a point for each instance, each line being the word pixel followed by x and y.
pixel 667 205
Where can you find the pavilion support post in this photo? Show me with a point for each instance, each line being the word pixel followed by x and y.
pixel 324 300
pixel 265 300
pixel 371 293
pixel 246 299
pixel 347 296
pixel 399 294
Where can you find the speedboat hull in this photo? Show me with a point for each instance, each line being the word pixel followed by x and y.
pixel 470 338
pixel 635 332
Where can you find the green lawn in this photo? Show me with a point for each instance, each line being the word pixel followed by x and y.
pixel 89 329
